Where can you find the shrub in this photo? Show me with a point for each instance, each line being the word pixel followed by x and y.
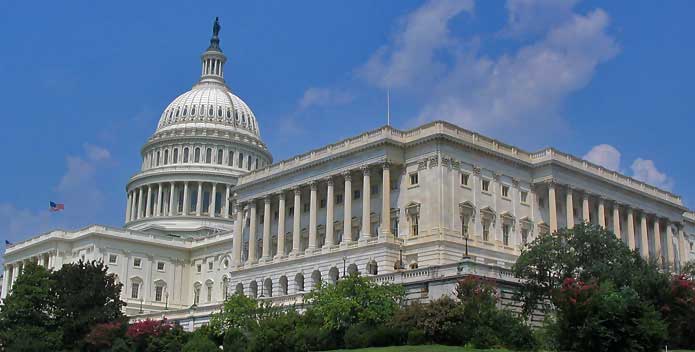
pixel 234 340
pixel 199 343
pixel 594 317
pixel 416 337
pixel 102 336
pixel 275 334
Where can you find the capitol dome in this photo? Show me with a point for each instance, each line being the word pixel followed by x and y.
pixel 205 140
pixel 209 103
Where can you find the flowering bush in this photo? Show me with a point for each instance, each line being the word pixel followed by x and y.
pixel 679 311
pixel 102 335
pixel 148 327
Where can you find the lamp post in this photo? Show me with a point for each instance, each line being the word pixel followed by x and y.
pixel 166 300
pixel 465 238
pixel 344 262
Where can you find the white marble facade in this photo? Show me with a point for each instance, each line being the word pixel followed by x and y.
pixel 209 214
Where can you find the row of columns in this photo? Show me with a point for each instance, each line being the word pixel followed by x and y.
pixel 140 200
pixel 364 234
pixel 666 255
pixel 14 269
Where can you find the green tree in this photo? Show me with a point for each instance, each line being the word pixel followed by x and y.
pixel 585 252
pixel 84 295
pixel 26 322
pixel 352 300
pixel 240 312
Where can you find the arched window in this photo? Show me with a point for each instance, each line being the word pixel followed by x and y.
pixel 230 160
pixel 299 282
pixel 229 113
pixel 160 288
pixel 185 110
pixel 185 155
pixel 211 112
pixel 248 163
pixel 241 161
pixel 193 110
pixel 283 285
pixel 196 155
pixel 166 156
pixel 219 112
pixel 176 155
pixel 177 112
pixel 157 160
pixel 135 288
pixel 208 155
pixel 220 156
pixel 256 165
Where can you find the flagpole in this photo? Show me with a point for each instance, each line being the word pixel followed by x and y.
pixel 388 107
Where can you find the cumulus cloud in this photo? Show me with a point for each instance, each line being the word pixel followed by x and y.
pixel 514 89
pixel 324 97
pixel 604 155
pixel 96 153
pixel 646 171
pixel 17 223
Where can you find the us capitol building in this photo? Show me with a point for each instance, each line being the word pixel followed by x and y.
pixel 209 213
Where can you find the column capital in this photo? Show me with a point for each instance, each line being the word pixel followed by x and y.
pixel 570 188
pixel 515 182
pixel 386 164
pixel 281 195
pixel 365 170
pixel 252 203
pixel 267 199
pixel 551 183
pixel 586 195
pixel 296 190
pixel 347 175
pixel 329 180
pixel 313 185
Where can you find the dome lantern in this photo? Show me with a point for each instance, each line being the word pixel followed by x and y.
pixel 213 59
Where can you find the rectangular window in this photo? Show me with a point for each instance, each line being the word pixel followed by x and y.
pixel 160 266
pixel 290 211
pixel 356 195
pixel 524 236
pixel 486 230
pixel 374 189
pixel 394 224
pixel 413 179
pixel 486 185
pixel 505 234
pixel 464 226
pixel 135 290
pixel 465 178
pixel 306 207
pixel 322 203
pixel 209 265
pixel 137 262
pixel 113 259
pixel 209 293
pixel 524 197
pixel 338 199
pixel 199 268
pixel 414 224
pixel 276 215
pixel 505 191
pixel 158 293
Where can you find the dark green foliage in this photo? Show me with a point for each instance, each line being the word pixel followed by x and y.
pixel 275 334
pixel 85 295
pixel 475 319
pixel 200 343
pixel 593 318
pixel 25 316
pixel 234 340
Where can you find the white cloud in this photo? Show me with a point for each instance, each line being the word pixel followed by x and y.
pixel 96 153
pixel 529 17
pixel 646 171
pixel 411 56
pixel 604 155
pixel 643 170
pixel 516 89
pixel 15 224
pixel 324 97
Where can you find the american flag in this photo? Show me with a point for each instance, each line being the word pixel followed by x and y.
pixel 56 206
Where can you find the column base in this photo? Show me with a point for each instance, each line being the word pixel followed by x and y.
pixel 267 259
pixel 327 248
pixel 278 257
pixel 364 238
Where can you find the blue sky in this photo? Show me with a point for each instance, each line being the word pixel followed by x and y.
pixel 84 83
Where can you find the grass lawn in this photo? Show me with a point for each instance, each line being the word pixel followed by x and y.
pixel 423 348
